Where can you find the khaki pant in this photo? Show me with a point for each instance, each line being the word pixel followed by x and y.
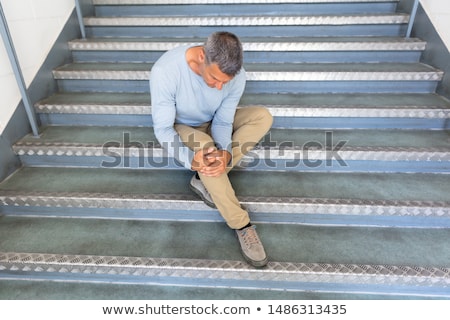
pixel 250 125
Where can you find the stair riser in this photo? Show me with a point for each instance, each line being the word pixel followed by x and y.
pixel 262 57
pixel 268 31
pixel 195 216
pixel 215 2
pixel 279 122
pixel 207 215
pixel 303 163
pixel 142 86
pixel 361 123
pixel 158 280
pixel 245 9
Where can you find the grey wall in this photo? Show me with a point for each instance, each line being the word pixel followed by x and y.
pixel 42 86
pixel 436 53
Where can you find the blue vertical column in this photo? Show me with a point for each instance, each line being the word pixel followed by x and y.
pixel 412 18
pixel 80 18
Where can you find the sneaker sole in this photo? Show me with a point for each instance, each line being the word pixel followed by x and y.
pixel 257 264
pixel 206 201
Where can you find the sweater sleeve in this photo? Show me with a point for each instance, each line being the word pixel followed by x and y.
pixel 163 86
pixel 222 124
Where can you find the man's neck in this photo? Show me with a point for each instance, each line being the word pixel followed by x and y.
pixel 194 57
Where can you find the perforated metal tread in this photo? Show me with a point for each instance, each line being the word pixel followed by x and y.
pixel 249 20
pixel 80 149
pixel 162 190
pixel 256 44
pixel 267 72
pixel 280 105
pixel 234 274
pixel 99 135
pixel 174 202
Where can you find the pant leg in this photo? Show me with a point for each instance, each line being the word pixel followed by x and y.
pixel 195 138
pixel 219 188
pixel 250 125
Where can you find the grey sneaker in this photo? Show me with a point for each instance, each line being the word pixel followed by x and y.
pixel 251 247
pixel 198 187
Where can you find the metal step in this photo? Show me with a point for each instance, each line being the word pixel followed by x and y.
pixel 190 2
pixel 168 239
pixel 331 111
pixel 256 44
pixel 249 26
pixel 349 278
pixel 161 8
pixel 374 199
pixel 266 72
pixel 266 78
pixel 268 50
pixel 247 20
pixel 294 150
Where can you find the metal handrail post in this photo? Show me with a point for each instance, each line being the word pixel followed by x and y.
pixel 412 17
pixel 18 73
pixel 80 18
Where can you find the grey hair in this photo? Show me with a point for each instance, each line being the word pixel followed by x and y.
pixel 225 50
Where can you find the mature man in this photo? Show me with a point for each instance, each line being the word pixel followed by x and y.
pixel 195 92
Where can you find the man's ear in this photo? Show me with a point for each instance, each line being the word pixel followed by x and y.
pixel 201 55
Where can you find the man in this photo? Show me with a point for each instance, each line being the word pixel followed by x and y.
pixel 195 92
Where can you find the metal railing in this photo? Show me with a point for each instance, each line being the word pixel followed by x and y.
pixel 80 18
pixel 412 18
pixel 6 35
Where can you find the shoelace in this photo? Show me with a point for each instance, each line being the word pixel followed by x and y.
pixel 249 235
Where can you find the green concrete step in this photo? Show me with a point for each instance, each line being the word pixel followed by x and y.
pixel 303 258
pixel 415 200
pixel 280 149
pixel 32 290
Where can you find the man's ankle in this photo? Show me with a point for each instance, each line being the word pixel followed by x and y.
pixel 246 226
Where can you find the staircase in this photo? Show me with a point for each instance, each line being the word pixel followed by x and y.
pixel 350 189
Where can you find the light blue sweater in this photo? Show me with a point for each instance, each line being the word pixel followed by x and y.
pixel 180 96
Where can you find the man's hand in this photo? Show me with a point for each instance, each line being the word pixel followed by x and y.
pixel 211 162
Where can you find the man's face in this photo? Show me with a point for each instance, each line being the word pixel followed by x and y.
pixel 213 77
